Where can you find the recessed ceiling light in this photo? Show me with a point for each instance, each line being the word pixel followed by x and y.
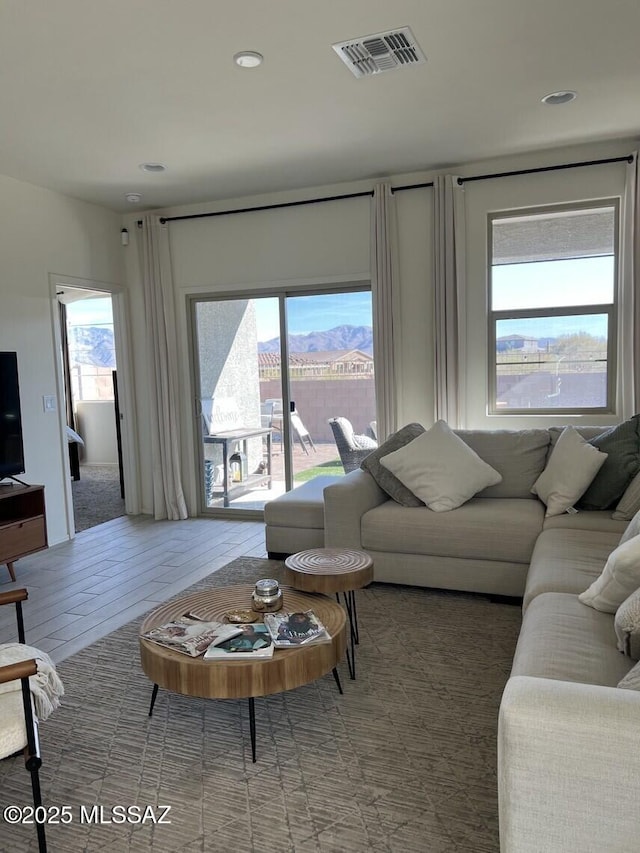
pixel 133 198
pixel 153 167
pixel 248 59
pixel 556 98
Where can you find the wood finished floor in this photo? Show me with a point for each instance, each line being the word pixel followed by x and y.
pixel 82 590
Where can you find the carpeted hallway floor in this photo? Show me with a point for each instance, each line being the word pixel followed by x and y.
pixel 404 760
pixel 96 496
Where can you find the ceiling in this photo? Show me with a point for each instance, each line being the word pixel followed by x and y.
pixel 90 89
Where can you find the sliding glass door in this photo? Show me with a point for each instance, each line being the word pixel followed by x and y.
pixel 330 375
pixel 263 430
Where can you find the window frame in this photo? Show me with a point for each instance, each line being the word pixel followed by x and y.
pixel 610 309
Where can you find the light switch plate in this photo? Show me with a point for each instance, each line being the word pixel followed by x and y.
pixel 49 403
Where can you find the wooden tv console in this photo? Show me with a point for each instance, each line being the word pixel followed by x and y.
pixel 23 523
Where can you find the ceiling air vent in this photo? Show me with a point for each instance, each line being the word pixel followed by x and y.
pixel 380 52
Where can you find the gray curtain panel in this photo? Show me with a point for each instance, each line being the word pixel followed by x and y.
pixel 162 349
pixel 450 308
pixel 384 291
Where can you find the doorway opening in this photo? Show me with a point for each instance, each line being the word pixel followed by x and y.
pixel 91 405
pixel 271 371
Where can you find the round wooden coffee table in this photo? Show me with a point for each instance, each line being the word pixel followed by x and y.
pixel 333 570
pixel 241 679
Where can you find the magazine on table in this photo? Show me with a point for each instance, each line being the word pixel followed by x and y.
pixel 191 635
pixel 295 629
pixel 251 641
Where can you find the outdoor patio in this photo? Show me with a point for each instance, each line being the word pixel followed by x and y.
pixel 323 460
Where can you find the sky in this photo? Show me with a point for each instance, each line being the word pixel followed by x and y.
pixel 549 284
pixel 582 281
pixel 314 313
pixel 553 284
pixel 90 312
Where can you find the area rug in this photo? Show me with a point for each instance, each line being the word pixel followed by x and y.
pixel 404 760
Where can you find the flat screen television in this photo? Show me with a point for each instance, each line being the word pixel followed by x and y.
pixel 11 446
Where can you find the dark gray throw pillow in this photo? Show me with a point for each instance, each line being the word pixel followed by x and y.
pixel 383 477
pixel 622 444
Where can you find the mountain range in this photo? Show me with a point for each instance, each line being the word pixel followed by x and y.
pixel 94 344
pixel 339 338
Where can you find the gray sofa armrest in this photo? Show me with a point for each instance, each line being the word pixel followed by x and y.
pixel 568 767
pixel 345 502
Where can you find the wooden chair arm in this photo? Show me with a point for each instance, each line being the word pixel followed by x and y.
pixel 13 596
pixel 22 669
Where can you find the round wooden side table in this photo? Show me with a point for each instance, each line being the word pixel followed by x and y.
pixel 337 570
pixel 239 679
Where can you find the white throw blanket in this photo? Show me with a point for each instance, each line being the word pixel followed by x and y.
pixel 46 686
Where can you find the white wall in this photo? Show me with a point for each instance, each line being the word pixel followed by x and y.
pixel 330 242
pixel 46 233
pixel 96 423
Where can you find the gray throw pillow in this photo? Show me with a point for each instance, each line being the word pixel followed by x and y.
pixel 383 477
pixel 629 503
pixel 622 446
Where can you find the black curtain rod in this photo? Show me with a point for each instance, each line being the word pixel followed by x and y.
pixel 411 187
pixel 164 219
pixel 626 159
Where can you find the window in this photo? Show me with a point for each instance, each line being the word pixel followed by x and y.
pixel 552 309
pixel 92 357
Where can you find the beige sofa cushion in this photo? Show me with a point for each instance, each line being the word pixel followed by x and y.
pixel 586 520
pixel 587 432
pixel 562 639
pixel 519 456
pixel 567 561
pixel 301 507
pixel 502 529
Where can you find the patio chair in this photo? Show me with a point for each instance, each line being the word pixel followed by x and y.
pixel 271 411
pixel 21 700
pixel 269 418
pixel 352 448
pixel 302 433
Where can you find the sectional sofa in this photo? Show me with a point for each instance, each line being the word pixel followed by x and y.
pixel 569 737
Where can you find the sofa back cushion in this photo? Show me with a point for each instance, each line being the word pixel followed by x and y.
pixel 587 432
pixel 518 455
